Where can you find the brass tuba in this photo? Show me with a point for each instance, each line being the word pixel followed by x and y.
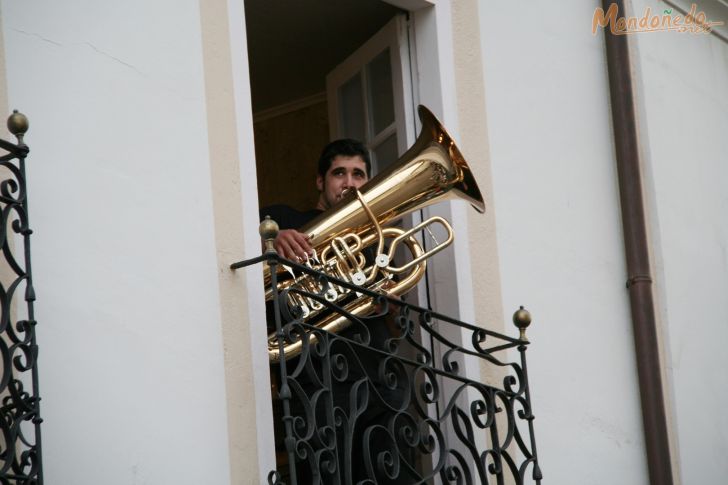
pixel 432 170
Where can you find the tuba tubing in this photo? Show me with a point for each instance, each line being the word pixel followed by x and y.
pixel 432 170
pixel 335 323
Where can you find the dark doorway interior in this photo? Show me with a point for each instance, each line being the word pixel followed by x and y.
pixel 292 46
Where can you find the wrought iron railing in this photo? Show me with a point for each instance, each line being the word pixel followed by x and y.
pixel 20 444
pixel 389 399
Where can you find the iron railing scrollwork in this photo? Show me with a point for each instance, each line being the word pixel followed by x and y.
pixel 20 442
pixel 398 407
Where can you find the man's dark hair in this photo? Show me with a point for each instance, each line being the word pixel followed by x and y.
pixel 346 147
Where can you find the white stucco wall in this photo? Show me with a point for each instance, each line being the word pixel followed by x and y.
pixel 560 237
pixel 131 363
pixel 683 86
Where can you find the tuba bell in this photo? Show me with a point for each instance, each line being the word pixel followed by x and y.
pixel 432 170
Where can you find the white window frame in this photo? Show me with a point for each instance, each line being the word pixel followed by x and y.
pixel 393 36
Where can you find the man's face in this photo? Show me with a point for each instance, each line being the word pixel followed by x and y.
pixel 344 173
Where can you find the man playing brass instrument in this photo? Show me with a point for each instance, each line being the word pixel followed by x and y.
pixel 343 165
pixel 360 394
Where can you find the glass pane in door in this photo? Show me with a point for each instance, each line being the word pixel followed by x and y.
pixel 380 94
pixel 351 109
pixel 385 153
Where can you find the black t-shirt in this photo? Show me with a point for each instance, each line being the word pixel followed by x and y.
pixel 287 217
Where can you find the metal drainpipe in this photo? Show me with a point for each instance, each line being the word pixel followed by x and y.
pixel 639 282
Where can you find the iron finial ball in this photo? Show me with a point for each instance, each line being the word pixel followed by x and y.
pixel 18 123
pixel 522 319
pixel 268 231
pixel 268 228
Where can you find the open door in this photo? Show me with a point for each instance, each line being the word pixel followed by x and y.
pixel 370 95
